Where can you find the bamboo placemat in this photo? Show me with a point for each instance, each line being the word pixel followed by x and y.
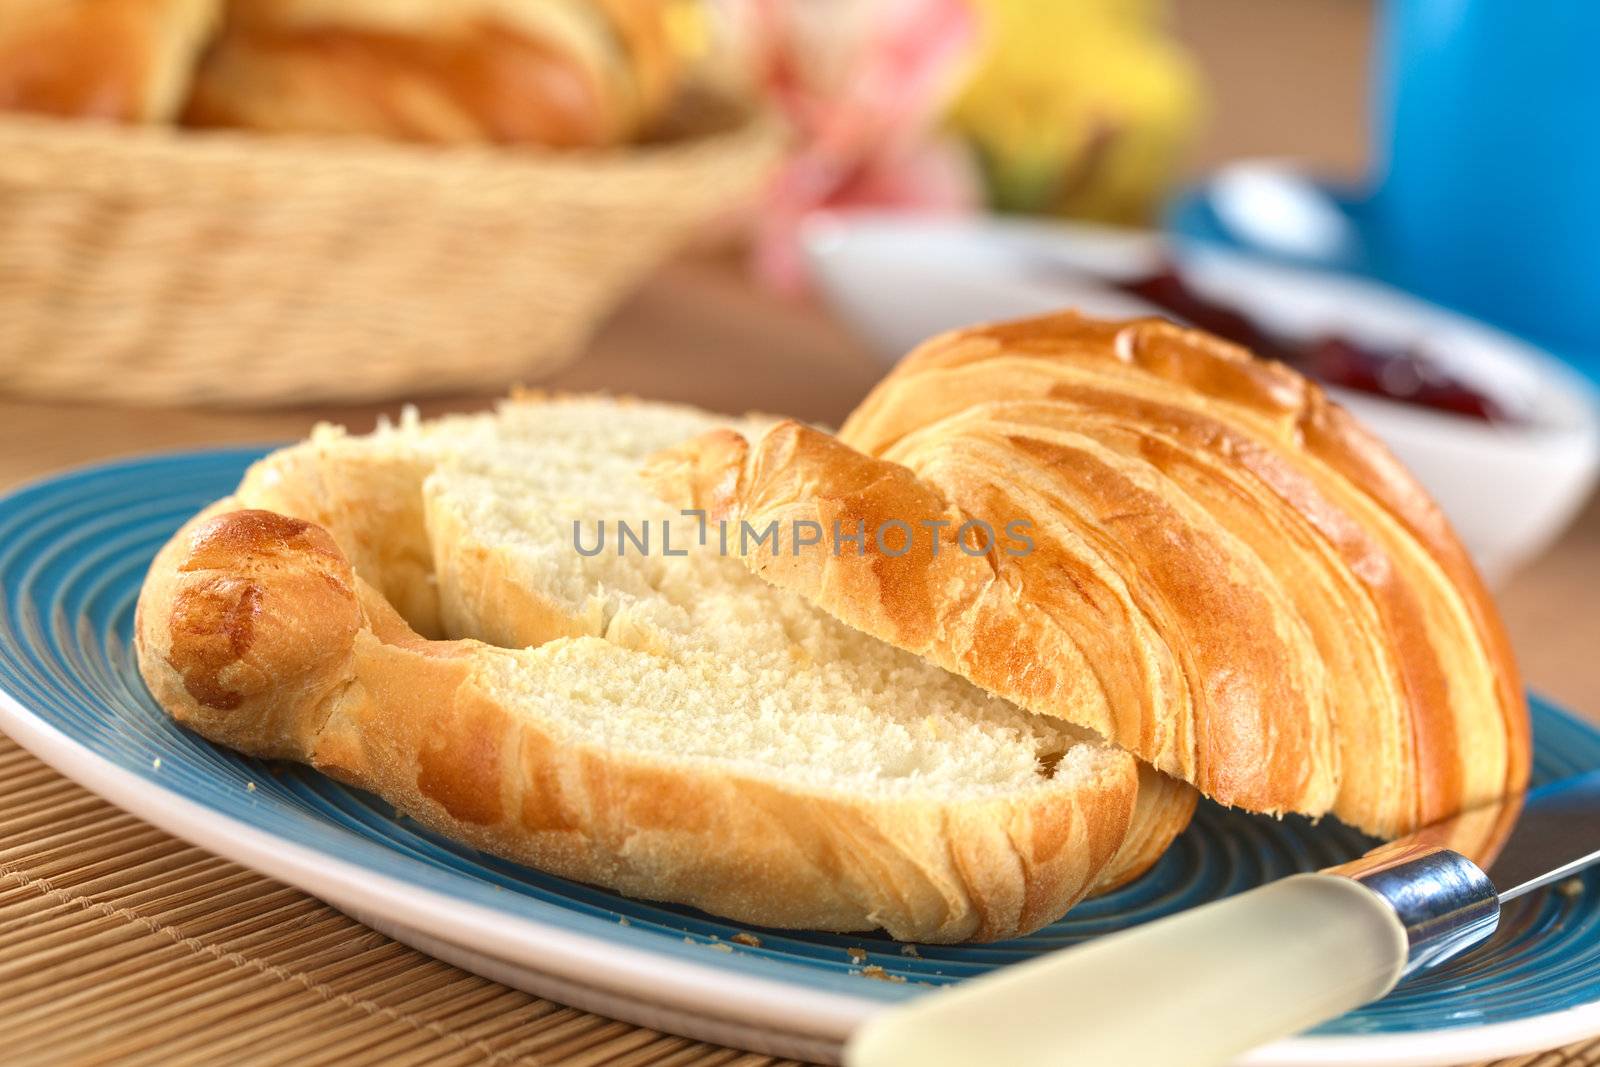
pixel 122 945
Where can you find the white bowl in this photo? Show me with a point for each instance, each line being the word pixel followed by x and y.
pixel 1509 487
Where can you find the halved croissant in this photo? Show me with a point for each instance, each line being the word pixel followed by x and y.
pixel 1228 576
pixel 666 726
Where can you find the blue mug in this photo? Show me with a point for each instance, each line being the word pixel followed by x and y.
pixel 1488 139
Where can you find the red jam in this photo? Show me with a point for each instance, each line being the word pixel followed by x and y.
pixel 1406 375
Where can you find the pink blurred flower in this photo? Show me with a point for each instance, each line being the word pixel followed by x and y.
pixel 863 83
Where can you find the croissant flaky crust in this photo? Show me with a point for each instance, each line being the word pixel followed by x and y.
pixel 292 620
pixel 1226 575
pixel 255 632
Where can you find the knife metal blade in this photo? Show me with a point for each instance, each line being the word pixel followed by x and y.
pixel 1556 835
pixel 1447 882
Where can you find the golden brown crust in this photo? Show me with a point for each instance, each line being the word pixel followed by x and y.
pixel 254 630
pixel 121 60
pixel 1228 576
pixel 246 636
pixel 370 501
pixel 1161 812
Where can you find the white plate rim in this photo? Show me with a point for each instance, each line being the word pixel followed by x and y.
pixel 645 975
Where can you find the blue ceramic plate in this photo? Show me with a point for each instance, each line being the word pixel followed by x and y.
pixel 73 550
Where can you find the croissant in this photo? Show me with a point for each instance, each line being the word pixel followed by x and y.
pixel 664 725
pixel 122 60
pixel 1191 552
pixel 566 73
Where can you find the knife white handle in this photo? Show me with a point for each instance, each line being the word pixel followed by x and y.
pixel 1199 988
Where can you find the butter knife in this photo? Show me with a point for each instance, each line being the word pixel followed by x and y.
pixel 1209 984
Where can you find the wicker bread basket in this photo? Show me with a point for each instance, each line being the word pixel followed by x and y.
pixel 159 266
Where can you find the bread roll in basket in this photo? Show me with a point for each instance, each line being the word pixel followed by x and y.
pixel 563 73
pixel 119 60
pixel 1227 587
pixel 389 196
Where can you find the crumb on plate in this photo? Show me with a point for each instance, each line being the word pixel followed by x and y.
pixel 877 973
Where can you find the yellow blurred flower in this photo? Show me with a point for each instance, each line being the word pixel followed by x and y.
pixel 1078 107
